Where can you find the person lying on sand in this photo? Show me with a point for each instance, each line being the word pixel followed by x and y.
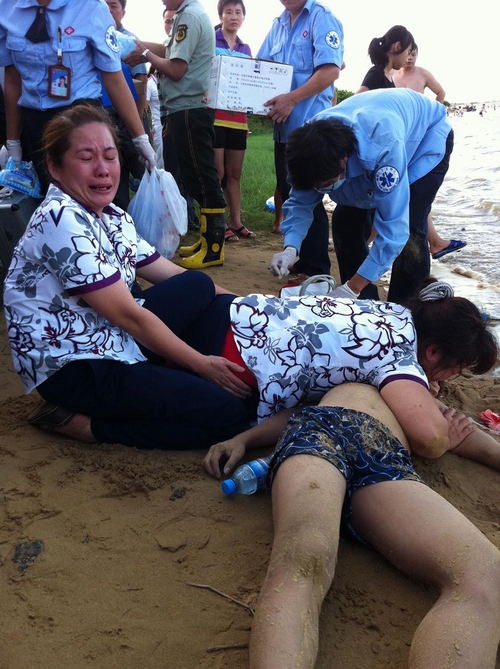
pixel 344 466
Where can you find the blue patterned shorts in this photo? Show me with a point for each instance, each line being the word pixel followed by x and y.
pixel 362 448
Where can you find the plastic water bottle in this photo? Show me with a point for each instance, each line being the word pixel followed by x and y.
pixel 248 478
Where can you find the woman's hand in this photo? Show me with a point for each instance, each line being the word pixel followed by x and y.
pixel 231 451
pixel 434 388
pixel 222 372
pixel 459 426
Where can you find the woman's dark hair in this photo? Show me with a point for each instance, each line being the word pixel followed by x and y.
pixel 380 46
pixel 455 325
pixel 57 135
pixel 222 3
pixel 314 152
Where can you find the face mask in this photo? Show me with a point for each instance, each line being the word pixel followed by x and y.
pixel 328 189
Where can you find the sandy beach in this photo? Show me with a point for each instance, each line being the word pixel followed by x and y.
pixel 100 545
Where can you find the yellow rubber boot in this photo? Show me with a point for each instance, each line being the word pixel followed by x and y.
pixel 186 251
pixel 211 251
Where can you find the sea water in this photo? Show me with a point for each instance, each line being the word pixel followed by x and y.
pixel 467 207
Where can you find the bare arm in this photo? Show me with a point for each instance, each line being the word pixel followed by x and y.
pixel 433 84
pixel 12 93
pixel 141 97
pixel 266 433
pixel 417 413
pixel 117 305
pixel 475 443
pixel 481 447
pixel 362 89
pixel 121 97
pixel 284 104
pixel 174 68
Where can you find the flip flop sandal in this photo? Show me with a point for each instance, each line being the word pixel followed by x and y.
pixel 454 245
pixel 229 236
pixel 49 416
pixel 244 233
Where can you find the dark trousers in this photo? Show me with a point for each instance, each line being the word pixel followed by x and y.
pixel 313 252
pixel 171 164
pixel 148 405
pixel 351 229
pixel 192 132
pixel 130 163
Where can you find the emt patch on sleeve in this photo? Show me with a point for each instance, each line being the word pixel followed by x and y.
pixel 112 40
pixel 332 39
pixel 386 178
pixel 181 33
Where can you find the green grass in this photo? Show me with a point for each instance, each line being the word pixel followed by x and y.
pixel 258 180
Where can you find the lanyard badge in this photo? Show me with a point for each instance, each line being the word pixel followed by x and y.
pixel 59 76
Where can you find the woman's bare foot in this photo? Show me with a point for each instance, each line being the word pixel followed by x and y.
pixel 78 427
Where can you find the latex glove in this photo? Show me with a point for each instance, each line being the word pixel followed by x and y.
pixel 281 262
pixel 343 291
pixel 145 149
pixel 15 151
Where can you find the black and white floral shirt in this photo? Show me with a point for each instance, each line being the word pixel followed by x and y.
pixel 68 251
pixel 300 347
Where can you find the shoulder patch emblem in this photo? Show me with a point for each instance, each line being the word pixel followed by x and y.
pixel 386 178
pixel 181 33
pixel 332 39
pixel 111 39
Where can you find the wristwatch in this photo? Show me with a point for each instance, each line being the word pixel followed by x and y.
pixel 144 55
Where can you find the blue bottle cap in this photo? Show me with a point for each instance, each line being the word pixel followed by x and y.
pixel 228 487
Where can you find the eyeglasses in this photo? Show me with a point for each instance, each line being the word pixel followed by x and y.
pixel 169 21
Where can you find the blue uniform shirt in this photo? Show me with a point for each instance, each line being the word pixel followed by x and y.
pixel 88 44
pixel 142 68
pixel 316 38
pixel 401 137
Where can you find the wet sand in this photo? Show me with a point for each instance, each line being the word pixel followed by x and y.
pixel 110 539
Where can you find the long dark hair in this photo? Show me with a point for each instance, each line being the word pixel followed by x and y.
pixel 455 325
pixel 380 46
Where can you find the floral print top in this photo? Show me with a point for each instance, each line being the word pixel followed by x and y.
pixel 300 347
pixel 68 251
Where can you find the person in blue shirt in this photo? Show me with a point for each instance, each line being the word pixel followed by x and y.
pixel 308 36
pixel 131 165
pixel 41 37
pixel 386 150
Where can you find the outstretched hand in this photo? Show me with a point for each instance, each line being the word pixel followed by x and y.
pixel 134 57
pixel 223 372
pixel 228 453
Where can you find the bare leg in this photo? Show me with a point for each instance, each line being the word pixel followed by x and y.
pixel 426 537
pixel 436 242
pixel 307 500
pixel 219 163
pixel 278 211
pixel 234 168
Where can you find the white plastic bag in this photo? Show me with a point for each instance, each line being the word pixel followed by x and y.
pixel 159 211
